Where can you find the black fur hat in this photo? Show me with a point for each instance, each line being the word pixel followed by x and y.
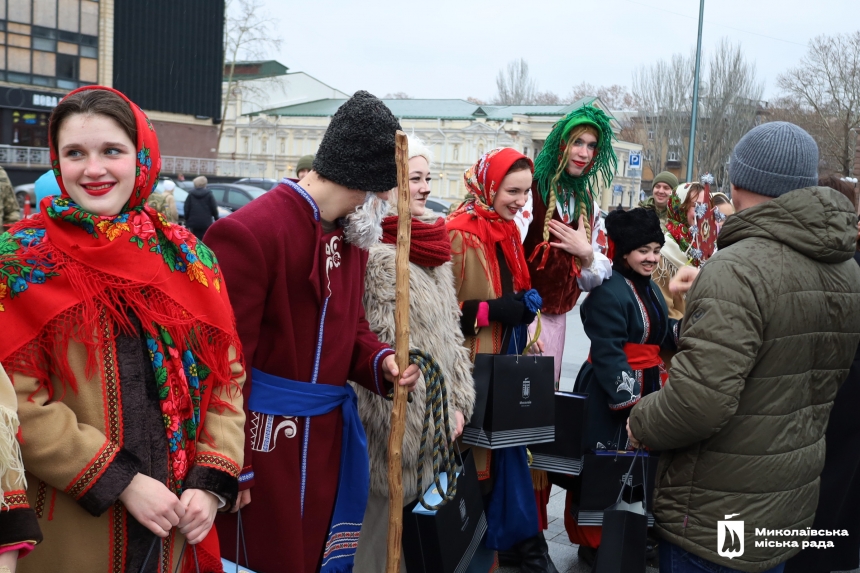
pixel 357 150
pixel 631 229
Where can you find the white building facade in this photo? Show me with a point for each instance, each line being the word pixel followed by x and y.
pixel 457 132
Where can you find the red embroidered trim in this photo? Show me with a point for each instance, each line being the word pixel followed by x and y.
pixel 485 473
pixel 218 462
pixel 41 493
pixel 16 499
pixel 94 470
pixel 112 396
pixel 117 538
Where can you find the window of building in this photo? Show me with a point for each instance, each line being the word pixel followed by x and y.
pixel 67 66
pixel 650 135
pixel 50 43
pixel 671 156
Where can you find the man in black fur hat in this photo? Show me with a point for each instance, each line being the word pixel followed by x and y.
pixel 294 262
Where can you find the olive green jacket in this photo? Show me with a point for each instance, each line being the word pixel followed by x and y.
pixel 771 327
pixel 9 209
pixel 662 213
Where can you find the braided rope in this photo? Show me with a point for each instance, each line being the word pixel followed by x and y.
pixel 435 420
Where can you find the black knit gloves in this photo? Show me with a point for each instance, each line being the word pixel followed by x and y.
pixel 510 310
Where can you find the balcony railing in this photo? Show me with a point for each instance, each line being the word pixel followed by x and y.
pixel 36 157
pixel 13 156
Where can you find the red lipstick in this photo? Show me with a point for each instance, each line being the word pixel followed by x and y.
pixel 98 188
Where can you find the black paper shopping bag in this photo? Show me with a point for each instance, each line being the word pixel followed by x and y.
pixel 603 473
pixel 625 529
pixel 515 401
pixel 444 540
pixel 564 455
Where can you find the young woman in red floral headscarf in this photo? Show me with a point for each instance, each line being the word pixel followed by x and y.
pixel 120 342
pixel 491 277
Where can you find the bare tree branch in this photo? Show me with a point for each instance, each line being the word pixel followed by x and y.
pixel 822 95
pixel 514 85
pixel 728 106
pixel 249 33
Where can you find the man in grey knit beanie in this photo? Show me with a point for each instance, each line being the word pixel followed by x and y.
pixel 770 161
pixel 771 326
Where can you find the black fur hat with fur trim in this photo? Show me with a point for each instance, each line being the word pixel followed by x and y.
pixel 631 229
pixel 357 150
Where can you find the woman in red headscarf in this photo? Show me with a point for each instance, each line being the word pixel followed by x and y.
pixel 120 342
pixel 492 281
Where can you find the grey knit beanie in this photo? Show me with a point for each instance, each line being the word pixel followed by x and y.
pixel 357 150
pixel 773 159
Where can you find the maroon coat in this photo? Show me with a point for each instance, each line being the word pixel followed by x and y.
pixel 555 282
pixel 280 266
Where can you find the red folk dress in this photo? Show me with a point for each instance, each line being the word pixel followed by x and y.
pixel 281 265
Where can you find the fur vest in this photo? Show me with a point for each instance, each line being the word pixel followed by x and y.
pixel 434 324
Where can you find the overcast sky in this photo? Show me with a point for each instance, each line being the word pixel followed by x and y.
pixel 454 48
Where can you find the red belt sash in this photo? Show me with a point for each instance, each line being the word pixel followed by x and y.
pixel 641 356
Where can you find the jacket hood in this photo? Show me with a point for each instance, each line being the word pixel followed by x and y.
pixel 199 192
pixel 817 222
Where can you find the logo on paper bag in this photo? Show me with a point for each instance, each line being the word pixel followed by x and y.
pixel 463 517
pixel 527 389
pixel 730 537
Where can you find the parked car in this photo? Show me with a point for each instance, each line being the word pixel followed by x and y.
pixel 24 193
pixel 261 182
pixel 232 196
pixel 440 206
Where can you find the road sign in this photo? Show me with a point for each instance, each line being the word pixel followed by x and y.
pixel 635 160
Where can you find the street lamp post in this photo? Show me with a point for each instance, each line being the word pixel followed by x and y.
pixel 695 118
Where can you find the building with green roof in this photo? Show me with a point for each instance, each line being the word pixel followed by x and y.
pixel 457 132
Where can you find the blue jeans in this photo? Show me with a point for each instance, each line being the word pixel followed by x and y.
pixel 673 559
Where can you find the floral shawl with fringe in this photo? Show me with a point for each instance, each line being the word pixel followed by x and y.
pixel 63 268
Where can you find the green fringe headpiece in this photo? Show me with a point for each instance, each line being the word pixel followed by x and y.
pixel 581 189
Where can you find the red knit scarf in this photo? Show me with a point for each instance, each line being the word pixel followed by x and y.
pixel 430 246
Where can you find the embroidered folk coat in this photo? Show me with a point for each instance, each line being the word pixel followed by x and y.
pixel 293 286
pixel 82 448
pixel 471 284
pixel 18 526
pixel 626 308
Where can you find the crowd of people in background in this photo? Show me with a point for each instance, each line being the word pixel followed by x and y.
pixel 176 393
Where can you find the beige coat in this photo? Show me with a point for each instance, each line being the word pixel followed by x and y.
pixel 471 282
pixel 74 449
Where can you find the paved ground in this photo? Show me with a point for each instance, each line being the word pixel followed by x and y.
pixel 562 551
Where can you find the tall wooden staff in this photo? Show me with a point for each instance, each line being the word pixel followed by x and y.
pixel 401 346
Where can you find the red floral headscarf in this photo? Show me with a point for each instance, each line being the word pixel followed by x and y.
pixel 67 274
pixel 477 218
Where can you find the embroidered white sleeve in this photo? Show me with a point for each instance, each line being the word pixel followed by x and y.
pixel 601 266
pixel 593 276
pixel 524 217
